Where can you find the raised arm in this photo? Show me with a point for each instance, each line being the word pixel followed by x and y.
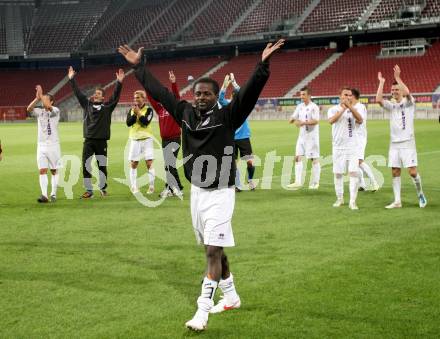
pixel 379 94
pixel 244 102
pixel 38 95
pixel 114 99
pixel 83 101
pixel 174 87
pixel 157 91
pixel 405 89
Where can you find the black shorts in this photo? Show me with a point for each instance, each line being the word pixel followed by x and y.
pixel 245 148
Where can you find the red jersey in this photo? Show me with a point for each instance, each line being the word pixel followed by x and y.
pixel 169 129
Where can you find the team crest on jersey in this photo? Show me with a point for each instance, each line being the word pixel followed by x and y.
pixel 206 122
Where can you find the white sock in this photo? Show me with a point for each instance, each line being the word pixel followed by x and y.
pixel 361 178
pixel 151 177
pixel 339 186
pixel 298 171
pixel 133 177
pixel 228 288
pixel 316 173
pixel 418 183
pixel 353 188
pixel 396 189
pixel 43 184
pixel 237 178
pixel 54 182
pixel 205 301
pixel 367 169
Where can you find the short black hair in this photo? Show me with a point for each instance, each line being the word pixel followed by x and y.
pixel 306 89
pixel 51 97
pixel 214 84
pixel 395 83
pixel 356 93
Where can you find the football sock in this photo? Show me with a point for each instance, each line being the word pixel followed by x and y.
pixel 54 182
pixel 367 169
pixel 152 175
pixel 133 177
pixel 228 288
pixel 237 178
pixel 316 173
pixel 251 171
pixel 43 184
pixel 361 178
pixel 339 186
pixel 353 188
pixel 396 188
pixel 298 171
pixel 418 183
pixel 205 301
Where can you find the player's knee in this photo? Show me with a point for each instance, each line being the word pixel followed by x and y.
pixel 412 171
pixel 53 171
pixel 134 164
pixel 43 171
pixel 214 253
pixel 297 158
pixel 395 172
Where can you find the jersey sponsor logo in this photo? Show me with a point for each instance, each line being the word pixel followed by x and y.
pixel 97 107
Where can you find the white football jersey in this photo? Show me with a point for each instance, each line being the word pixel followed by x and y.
pixel 343 130
pixel 361 129
pixel 47 125
pixel 308 112
pixel 401 119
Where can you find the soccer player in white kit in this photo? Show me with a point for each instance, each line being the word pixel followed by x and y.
pixel 306 118
pixel 48 150
pixel 343 118
pixel 402 151
pixel 361 130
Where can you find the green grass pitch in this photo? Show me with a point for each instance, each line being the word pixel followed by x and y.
pixel 112 268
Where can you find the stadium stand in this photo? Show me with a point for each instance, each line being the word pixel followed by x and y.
pixel 135 17
pixel 19 89
pixel 385 10
pixel 216 19
pixel 176 16
pixel 67 27
pixel 432 9
pixel 287 69
pixel 420 73
pixel 269 12
pixel 3 45
pixel 332 15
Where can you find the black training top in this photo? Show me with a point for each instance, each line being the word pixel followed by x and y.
pixel 208 137
pixel 97 116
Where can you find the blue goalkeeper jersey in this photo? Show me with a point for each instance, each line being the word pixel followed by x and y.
pixel 244 131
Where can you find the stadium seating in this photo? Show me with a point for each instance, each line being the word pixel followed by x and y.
pixel 385 10
pixel 19 89
pixel 268 12
pixel 331 15
pixel 3 46
pixel 135 17
pixel 61 28
pixel 217 19
pixel 287 69
pixel 432 9
pixel 358 67
pixel 174 19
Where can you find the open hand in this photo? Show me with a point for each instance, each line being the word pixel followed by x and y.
pixel 380 77
pixel 172 77
pixel 120 75
pixel 397 72
pixel 71 72
pixel 39 92
pixel 271 48
pixel 130 55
